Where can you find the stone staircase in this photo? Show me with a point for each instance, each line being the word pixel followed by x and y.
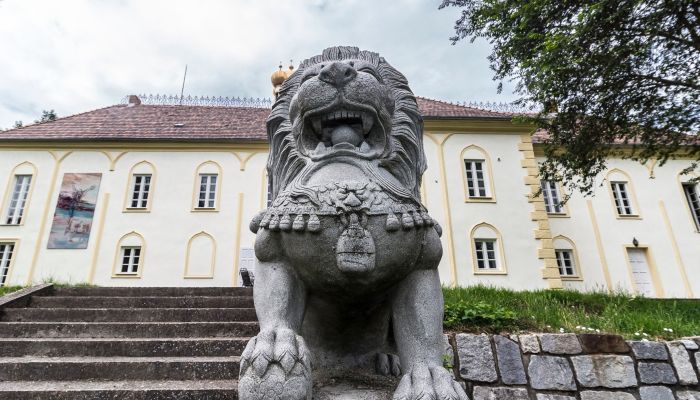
pixel 125 343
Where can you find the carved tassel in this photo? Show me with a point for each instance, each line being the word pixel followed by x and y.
pixel 275 223
pixel 426 218
pixel 265 221
pixel 392 223
pixel 298 224
pixel 285 223
pixel 314 225
pixel 406 220
pixel 417 219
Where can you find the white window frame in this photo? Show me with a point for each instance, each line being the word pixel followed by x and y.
pixel 692 196
pixel 477 188
pixel 19 193
pixel 552 197
pixel 486 258
pixel 562 256
pixel 139 193
pixel 7 251
pixel 129 260
pixel 206 195
pixel 622 198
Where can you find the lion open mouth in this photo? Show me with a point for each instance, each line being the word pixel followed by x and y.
pixel 342 131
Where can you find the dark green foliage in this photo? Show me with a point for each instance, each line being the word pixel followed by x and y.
pixel 624 72
pixel 8 289
pixel 550 310
pixel 479 314
pixel 46 116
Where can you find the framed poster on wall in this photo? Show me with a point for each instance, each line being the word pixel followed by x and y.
pixel 75 210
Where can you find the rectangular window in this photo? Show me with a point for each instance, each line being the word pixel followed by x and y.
pixel 693 197
pixel 552 199
pixel 6 250
pixel 565 262
pixel 18 199
pixel 476 182
pixel 139 194
pixel 622 199
pixel 130 260
pixel 269 192
pixel 485 253
pixel 207 191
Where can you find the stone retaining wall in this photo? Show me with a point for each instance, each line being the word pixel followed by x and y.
pixel 574 367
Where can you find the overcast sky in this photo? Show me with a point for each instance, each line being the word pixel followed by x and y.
pixel 78 55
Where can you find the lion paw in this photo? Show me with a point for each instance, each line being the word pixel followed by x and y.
pixel 388 364
pixel 429 383
pixel 275 365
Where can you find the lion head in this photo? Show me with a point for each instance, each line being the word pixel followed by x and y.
pixel 351 104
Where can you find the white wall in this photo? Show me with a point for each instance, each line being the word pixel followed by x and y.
pixel 171 223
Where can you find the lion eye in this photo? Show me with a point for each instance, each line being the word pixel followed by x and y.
pixel 371 72
pixel 307 77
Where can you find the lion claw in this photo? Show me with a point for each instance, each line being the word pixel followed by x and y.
pixel 429 383
pixel 275 365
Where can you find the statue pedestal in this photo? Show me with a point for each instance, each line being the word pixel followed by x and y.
pixel 355 387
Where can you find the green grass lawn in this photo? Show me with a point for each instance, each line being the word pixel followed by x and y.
pixel 9 289
pixel 491 310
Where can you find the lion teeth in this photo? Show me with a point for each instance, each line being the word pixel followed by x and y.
pixel 364 148
pixel 320 148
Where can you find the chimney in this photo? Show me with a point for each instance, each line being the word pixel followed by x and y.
pixel 133 100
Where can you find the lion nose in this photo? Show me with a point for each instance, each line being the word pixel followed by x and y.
pixel 337 74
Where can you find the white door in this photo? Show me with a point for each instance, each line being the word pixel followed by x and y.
pixel 640 272
pixel 246 260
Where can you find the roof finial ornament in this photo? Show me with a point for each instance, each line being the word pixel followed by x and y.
pixel 278 77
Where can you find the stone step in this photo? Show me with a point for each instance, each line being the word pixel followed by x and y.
pixel 120 347
pixel 141 302
pixel 126 329
pixel 122 390
pixel 128 314
pixel 117 368
pixel 152 291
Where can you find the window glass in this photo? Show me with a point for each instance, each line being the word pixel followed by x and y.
pixel 693 198
pixel 476 180
pixel 622 199
pixel 565 262
pixel 552 199
pixel 485 253
pixel 18 199
pixel 207 191
pixel 130 260
pixel 6 250
pixel 141 189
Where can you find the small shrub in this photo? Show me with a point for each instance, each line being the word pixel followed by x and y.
pixel 478 314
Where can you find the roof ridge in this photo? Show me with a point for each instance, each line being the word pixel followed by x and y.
pixel 35 124
pixel 457 104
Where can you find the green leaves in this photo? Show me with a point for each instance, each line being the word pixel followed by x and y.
pixel 621 72
pixel 479 314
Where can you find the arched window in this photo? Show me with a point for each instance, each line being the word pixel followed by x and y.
pixel 129 256
pixel 477 175
pixel 207 187
pixel 140 187
pixel 18 194
pixel 487 250
pixel 691 192
pixel 622 194
pixel 200 258
pixel 567 258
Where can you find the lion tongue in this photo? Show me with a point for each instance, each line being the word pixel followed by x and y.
pixel 346 135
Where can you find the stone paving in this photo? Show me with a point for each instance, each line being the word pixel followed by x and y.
pixel 574 367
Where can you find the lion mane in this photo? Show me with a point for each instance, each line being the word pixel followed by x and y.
pixel 405 159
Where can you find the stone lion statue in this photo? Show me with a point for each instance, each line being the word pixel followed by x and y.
pixel 348 255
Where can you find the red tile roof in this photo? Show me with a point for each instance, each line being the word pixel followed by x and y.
pixel 190 123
